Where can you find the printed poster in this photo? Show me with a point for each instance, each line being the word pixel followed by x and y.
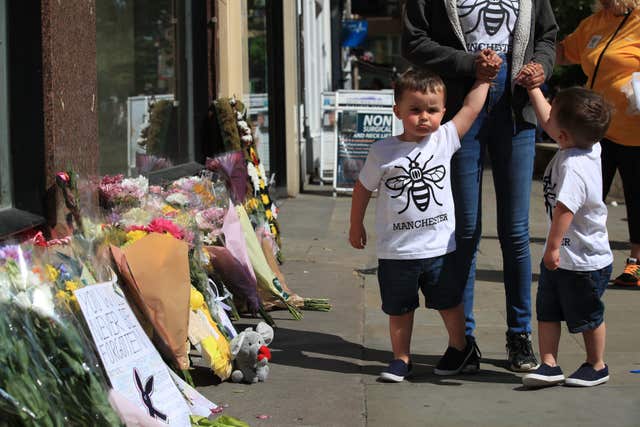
pixel 356 132
pixel 132 363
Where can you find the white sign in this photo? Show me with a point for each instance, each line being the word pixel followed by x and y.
pixel 132 363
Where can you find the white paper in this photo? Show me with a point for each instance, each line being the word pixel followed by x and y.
pixel 132 363
pixel 198 404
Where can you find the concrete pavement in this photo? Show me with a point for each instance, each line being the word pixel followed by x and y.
pixel 324 367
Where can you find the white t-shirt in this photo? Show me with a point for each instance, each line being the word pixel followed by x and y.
pixel 574 177
pixel 488 24
pixel 415 216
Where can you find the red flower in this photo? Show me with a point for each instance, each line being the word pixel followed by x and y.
pixel 39 240
pixel 264 353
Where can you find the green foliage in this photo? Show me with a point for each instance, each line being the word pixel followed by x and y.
pixel 568 15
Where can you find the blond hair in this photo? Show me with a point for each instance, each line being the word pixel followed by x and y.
pixel 618 7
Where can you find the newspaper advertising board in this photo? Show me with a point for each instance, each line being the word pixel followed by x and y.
pixel 362 117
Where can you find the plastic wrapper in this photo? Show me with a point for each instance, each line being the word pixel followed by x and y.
pixel 49 375
pixel 268 283
pixel 632 91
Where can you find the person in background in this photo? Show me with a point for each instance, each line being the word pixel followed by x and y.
pixel 447 37
pixel 607 47
pixel 577 260
pixel 415 220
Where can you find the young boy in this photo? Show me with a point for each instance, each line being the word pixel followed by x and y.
pixel 577 259
pixel 415 219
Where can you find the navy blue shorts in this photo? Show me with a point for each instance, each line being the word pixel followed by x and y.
pixel 572 296
pixel 400 281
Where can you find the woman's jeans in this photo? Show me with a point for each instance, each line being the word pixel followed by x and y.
pixel 511 157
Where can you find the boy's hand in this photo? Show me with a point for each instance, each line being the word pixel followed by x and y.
pixel 358 236
pixel 531 75
pixel 551 259
pixel 488 64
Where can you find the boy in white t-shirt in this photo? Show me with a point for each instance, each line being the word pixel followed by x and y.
pixel 577 259
pixel 415 218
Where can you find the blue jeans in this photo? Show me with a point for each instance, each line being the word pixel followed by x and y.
pixel 511 153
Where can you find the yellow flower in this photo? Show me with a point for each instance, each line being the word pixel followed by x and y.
pixel 265 199
pixel 268 214
pixel 262 186
pixel 61 295
pixel 135 235
pixel 168 209
pixel 71 285
pixel 52 272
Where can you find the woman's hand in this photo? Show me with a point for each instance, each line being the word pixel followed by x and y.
pixel 531 76
pixel 488 64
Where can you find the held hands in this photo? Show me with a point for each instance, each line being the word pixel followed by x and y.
pixel 531 76
pixel 551 259
pixel 357 236
pixel 488 64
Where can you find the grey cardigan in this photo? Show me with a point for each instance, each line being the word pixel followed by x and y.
pixel 432 37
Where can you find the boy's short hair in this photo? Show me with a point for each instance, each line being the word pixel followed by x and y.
pixel 423 81
pixel 583 113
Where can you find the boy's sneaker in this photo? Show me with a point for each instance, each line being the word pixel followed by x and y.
pixel 455 361
pixel 544 376
pixel 631 274
pixel 520 352
pixel 586 376
pixel 396 372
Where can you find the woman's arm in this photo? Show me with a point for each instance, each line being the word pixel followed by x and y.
pixel 546 30
pixel 561 59
pixel 420 49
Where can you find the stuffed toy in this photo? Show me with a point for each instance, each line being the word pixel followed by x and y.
pixel 251 355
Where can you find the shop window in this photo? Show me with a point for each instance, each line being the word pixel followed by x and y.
pixel 5 164
pixel 257 99
pixel 21 123
pixel 145 116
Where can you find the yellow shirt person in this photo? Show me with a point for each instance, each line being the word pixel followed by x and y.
pixel 621 58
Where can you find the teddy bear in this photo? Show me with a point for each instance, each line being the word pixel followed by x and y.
pixel 251 355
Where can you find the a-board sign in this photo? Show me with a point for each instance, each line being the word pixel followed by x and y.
pixel 133 365
pixel 357 130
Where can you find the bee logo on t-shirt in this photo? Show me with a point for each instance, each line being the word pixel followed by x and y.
pixel 417 181
pixel 594 41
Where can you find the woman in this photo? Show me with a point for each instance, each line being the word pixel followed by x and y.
pixel 607 46
pixel 447 37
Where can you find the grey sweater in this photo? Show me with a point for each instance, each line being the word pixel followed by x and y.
pixel 432 37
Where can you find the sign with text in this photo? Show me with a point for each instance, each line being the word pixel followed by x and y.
pixel 132 363
pixel 357 130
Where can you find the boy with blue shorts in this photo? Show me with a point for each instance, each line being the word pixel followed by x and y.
pixel 577 260
pixel 415 219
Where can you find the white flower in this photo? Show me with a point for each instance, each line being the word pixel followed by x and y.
pixel 43 301
pixel 247 139
pixel 255 179
pixel 179 199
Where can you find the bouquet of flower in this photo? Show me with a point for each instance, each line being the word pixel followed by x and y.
pixel 48 373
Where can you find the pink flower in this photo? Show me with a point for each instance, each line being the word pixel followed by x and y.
pixel 63 177
pixel 161 225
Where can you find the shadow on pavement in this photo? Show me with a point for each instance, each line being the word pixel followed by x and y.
pixel 331 353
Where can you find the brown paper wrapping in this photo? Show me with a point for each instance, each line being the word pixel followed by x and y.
pixel 156 271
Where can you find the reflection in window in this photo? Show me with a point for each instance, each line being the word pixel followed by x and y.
pixel 5 165
pixel 257 100
pixel 140 125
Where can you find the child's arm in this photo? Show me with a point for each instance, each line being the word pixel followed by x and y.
pixel 562 218
pixel 359 202
pixel 473 103
pixel 543 111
